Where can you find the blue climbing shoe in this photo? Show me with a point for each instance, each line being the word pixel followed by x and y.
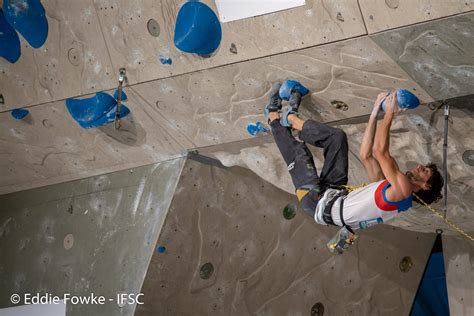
pixel 284 116
pixel 274 103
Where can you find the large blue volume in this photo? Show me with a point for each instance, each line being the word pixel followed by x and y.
pixel 405 99
pixel 29 19
pixel 289 86
pixel 197 29
pixel 96 111
pixel 432 295
pixel 9 41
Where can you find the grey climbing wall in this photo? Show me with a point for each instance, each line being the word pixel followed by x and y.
pixel 94 235
pixel 437 55
pixel 459 265
pixel 264 264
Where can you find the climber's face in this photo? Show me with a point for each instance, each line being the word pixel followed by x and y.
pixel 420 176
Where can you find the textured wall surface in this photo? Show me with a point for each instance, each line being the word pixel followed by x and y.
pixel 380 15
pixel 87 37
pixel 131 46
pixel 437 55
pixel 114 221
pixel 345 51
pixel 200 109
pixel 73 61
pixel 49 145
pixel 459 265
pixel 265 264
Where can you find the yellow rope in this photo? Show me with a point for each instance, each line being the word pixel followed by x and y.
pixel 447 221
pixel 351 188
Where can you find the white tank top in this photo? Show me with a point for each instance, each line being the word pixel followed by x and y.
pixel 369 206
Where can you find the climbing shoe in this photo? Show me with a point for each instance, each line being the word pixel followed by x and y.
pixel 295 100
pixel 284 116
pixel 274 103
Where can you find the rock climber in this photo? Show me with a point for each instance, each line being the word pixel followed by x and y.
pixel 322 196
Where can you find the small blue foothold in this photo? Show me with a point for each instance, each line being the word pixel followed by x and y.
pixel 166 60
pixel 161 249
pixel 292 85
pixel 257 128
pixel 19 114
pixel 197 29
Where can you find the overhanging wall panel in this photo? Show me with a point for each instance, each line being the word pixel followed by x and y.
pixel 114 220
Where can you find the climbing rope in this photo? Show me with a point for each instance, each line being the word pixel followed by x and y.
pixel 351 188
pixel 447 221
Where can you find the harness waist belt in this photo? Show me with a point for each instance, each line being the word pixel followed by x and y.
pixel 327 215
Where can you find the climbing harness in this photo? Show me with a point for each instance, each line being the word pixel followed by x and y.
pixel 345 236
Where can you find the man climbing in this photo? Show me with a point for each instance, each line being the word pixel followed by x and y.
pixel 322 196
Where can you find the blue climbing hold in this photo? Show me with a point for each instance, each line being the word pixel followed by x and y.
pixel 19 114
pixel 29 19
pixel 161 249
pixel 166 60
pixel 289 86
pixel 124 96
pixel 257 128
pixel 9 40
pixel 197 29
pixel 405 99
pixel 96 111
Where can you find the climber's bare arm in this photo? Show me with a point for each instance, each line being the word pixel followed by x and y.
pixel 400 184
pixel 371 165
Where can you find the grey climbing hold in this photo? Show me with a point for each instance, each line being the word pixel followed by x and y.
pixel 405 264
pixel 206 271
pixel 340 105
pixel 68 241
pixel 233 48
pixel 153 27
pixel 317 309
pixel 74 56
pixel 392 4
pixel 468 157
pixel 289 212
pixel 340 17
